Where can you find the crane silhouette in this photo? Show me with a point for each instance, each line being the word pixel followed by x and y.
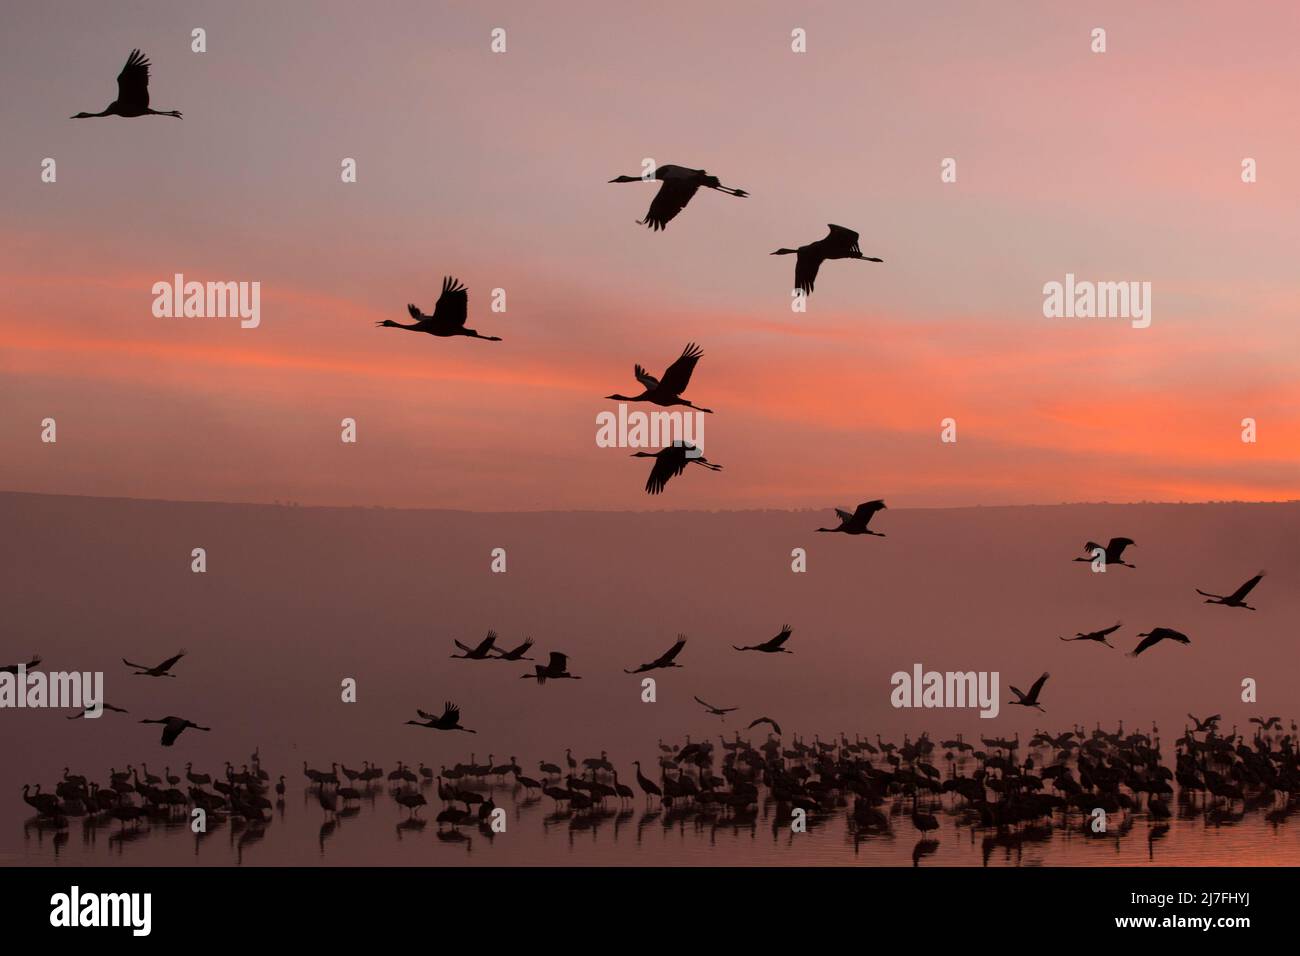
pixel 1237 598
pixel 666 659
pixel 132 92
pixel 478 653
pixel 774 646
pixel 715 711
pixel 516 654
pixel 13 668
pixel 839 243
pixel 1098 636
pixel 1158 634
pixel 679 185
pixel 104 706
pixel 449 719
pixel 776 728
pixel 671 461
pixel 648 786
pixel 1030 699
pixel 557 668
pixel 159 670
pixel 173 727
pixel 1267 723
pixel 668 390
pixel 1113 551
pixel 1209 723
pixel 449 315
pixel 856 523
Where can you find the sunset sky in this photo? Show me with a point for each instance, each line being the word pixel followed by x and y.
pixel 1121 166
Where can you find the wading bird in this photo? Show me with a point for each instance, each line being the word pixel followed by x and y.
pixel 666 659
pixel 132 92
pixel 173 727
pixel 856 523
pixel 1237 598
pixel 840 243
pixel 1267 723
pixel 517 654
pixel 670 462
pixel 1209 723
pixel 1113 551
pixel 557 668
pixel 1158 634
pixel 161 670
pixel 679 185
pixel 13 668
pixel 776 728
pixel 668 390
pixel 479 653
pixel 716 711
pixel 774 646
pixel 449 719
pixel 449 315
pixel 1098 636
pixel 1030 699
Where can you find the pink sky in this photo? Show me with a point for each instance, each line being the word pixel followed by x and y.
pixel 493 168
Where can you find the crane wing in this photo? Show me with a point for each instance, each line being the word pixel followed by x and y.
pixel 1245 589
pixel 666 467
pixel 1148 641
pixel 842 239
pixel 673 651
pixel 678 375
pixel 671 199
pixel 645 378
pixel 133 83
pixel 1037 686
pixel 167 664
pixel 453 304
pixel 558 662
pixel 806 264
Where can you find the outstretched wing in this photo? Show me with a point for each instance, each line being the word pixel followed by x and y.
pixel 1038 685
pixel 781 638
pixel 1117 545
pixel 666 467
pixel 866 510
pixel 645 378
pixel 1245 589
pixel 450 713
pixel 844 240
pixel 766 720
pixel 415 312
pixel 558 662
pixel 678 375
pixel 671 199
pixel 705 704
pixel 453 304
pixel 806 264
pixel 844 515
pixel 485 645
pixel 672 652
pixel 167 664
pixel 1110 630
pixel 1150 640
pixel 133 84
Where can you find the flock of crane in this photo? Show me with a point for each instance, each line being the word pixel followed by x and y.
pixel 1013 792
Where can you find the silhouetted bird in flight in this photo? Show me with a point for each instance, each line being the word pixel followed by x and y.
pixel 1237 598
pixel 1030 699
pixel 449 314
pixel 856 523
pixel 776 728
pixel 517 654
pixel 132 92
pixel 670 462
pixel 1267 723
pixel 13 668
pixel 120 710
pixel 1113 551
pixel 172 728
pixel 1209 723
pixel 161 670
pixel 666 659
pixel 715 711
pixel 679 185
pixel 449 719
pixel 668 390
pixel 774 646
pixel 1158 634
pixel 1098 636
pixel 557 668
pixel 479 653
pixel 840 243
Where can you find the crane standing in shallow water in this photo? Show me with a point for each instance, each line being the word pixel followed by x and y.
pixel 680 183
pixel 132 92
